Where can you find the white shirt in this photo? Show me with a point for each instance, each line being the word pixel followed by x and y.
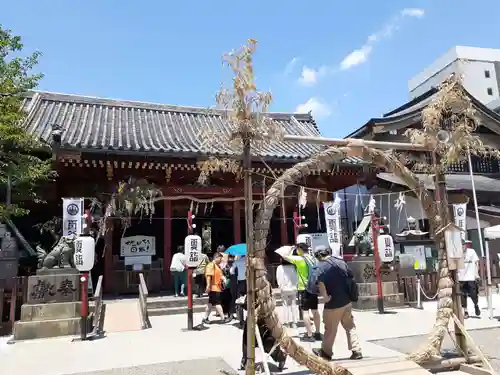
pixel 242 268
pixel 178 262
pixel 470 271
pixel 286 277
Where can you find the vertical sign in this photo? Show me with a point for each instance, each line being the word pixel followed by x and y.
pixel 333 229
pixel 460 215
pixel 72 216
pixel 192 250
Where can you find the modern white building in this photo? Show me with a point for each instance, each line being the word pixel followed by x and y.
pixel 478 67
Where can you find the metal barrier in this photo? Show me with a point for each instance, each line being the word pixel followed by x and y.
pixel 98 309
pixel 143 302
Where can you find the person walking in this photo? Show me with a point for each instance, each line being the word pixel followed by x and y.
pixel 304 262
pixel 468 278
pixel 229 292
pixel 178 269
pixel 337 286
pixel 241 264
pixel 287 280
pixel 215 281
pixel 199 278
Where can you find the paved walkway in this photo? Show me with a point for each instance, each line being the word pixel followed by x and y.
pixel 166 342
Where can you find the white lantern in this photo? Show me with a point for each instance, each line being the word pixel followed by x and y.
pixel 385 248
pixel 305 238
pixel 84 253
pixel 192 250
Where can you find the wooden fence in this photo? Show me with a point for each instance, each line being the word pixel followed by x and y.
pixel 13 293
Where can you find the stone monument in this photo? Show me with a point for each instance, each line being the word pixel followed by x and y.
pixel 53 297
pixel 363 268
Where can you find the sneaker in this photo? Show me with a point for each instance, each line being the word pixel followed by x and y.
pixel 243 364
pixel 281 365
pixel 307 338
pixel 318 336
pixel 477 310
pixel 176 295
pixel 356 355
pixel 293 326
pixel 205 321
pixel 466 315
pixel 320 353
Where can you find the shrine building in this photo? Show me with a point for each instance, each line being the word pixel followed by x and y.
pixel 105 141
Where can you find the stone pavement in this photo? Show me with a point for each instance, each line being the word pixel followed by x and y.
pixel 167 343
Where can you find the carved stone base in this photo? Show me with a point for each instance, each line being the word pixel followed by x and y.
pixel 368 296
pixel 54 287
pixel 363 268
pixel 48 320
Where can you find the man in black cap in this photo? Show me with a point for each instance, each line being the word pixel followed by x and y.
pixel 468 278
pixel 334 281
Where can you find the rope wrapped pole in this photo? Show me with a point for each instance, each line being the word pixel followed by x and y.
pixel 251 318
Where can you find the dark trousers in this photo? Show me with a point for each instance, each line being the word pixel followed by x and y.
pixel 268 342
pixel 200 284
pixel 468 289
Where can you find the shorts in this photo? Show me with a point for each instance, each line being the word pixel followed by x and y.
pixel 215 298
pixel 307 301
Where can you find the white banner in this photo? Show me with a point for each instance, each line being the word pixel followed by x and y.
pixel 333 228
pixel 72 216
pixel 460 215
pixel 137 246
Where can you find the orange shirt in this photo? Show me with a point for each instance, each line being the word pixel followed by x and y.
pixel 215 274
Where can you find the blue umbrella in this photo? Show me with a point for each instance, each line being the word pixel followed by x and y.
pixel 239 250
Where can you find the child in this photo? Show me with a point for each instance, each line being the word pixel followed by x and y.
pixel 286 277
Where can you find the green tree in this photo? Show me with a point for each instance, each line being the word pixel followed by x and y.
pixel 25 161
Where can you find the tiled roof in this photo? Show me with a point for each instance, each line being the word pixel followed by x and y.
pixel 107 125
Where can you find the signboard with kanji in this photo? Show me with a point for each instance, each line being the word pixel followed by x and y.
pixel 192 250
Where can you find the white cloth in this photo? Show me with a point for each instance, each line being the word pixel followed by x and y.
pixel 178 262
pixel 242 268
pixel 470 272
pixel 286 277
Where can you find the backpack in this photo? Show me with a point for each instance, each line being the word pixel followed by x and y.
pixel 352 286
pixel 312 275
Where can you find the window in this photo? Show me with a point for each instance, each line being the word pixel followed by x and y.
pixel 487 74
pixel 490 91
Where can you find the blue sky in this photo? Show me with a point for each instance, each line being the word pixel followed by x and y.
pixel 347 62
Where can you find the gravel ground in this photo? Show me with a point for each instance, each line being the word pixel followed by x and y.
pixel 488 340
pixel 209 366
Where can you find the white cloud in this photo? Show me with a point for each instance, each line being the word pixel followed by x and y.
pixel 308 76
pixel 361 55
pixel 290 66
pixel 356 57
pixel 315 105
pixel 413 12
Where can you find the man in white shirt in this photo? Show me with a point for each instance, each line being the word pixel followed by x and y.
pixel 468 279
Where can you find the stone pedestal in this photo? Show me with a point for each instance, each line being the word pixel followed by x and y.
pixel 363 268
pixel 53 307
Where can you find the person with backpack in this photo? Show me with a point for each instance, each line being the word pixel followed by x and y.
pixel 306 265
pixel 339 289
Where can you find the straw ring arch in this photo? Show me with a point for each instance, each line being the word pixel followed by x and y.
pixel 322 160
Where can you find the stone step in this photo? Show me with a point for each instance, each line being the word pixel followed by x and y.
pixel 46 328
pixel 179 310
pixel 379 366
pixel 391 301
pixel 50 311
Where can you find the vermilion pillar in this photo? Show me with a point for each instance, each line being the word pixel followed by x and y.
pixel 237 222
pixel 109 274
pixel 284 229
pixel 167 240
